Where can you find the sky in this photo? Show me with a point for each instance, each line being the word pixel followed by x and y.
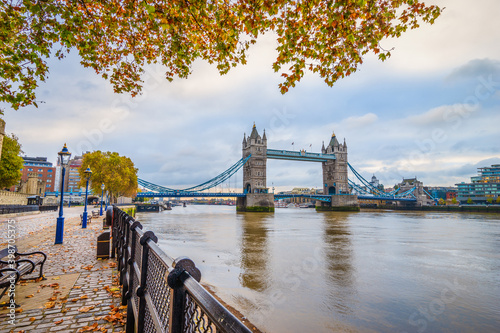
pixel 430 111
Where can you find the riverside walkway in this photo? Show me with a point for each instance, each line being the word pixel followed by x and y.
pixel 80 293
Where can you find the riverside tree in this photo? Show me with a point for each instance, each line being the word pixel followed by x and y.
pixel 11 162
pixel 117 173
pixel 118 38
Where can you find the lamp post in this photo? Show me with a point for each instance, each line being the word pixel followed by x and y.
pixel 107 200
pixel 102 194
pixel 64 156
pixel 70 194
pixel 87 173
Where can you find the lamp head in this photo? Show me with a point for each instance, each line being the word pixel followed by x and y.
pixel 88 173
pixel 64 155
pixel 102 186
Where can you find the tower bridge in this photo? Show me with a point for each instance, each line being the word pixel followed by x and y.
pixel 339 192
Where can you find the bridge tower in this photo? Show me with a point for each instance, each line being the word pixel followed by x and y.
pixel 335 171
pixel 258 198
pixel 254 171
pixel 335 178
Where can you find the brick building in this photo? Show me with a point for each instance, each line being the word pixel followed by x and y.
pixel 44 170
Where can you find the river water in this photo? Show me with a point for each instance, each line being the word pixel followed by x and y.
pixel 298 270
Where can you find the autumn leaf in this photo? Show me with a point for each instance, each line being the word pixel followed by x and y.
pixel 118 39
pixel 32 319
pixel 86 308
pixel 29 296
pixel 49 305
pixel 58 322
pixel 89 328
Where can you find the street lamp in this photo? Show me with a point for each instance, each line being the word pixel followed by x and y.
pixel 102 194
pixel 64 156
pixel 87 173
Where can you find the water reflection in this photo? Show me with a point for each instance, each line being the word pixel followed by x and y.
pixel 254 250
pixel 339 261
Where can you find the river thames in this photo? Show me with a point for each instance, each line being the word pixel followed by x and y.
pixel 299 270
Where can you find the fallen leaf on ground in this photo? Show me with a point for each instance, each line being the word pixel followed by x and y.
pixel 89 328
pixel 58 322
pixel 29 296
pixel 86 308
pixel 49 305
pixel 32 319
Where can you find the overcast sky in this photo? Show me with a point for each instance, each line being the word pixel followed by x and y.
pixel 431 111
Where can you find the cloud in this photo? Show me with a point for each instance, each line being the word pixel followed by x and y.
pixel 476 68
pixel 359 122
pixel 441 114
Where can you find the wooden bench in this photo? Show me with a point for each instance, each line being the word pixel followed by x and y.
pixel 8 279
pixel 89 218
pixel 12 263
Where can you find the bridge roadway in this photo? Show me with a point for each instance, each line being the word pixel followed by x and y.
pixel 326 198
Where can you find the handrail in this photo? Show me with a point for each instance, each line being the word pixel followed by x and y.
pixel 162 294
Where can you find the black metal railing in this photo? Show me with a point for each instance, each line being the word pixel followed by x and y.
pixel 11 209
pixel 48 208
pixel 162 294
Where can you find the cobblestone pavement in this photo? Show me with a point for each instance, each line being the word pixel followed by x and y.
pixel 91 304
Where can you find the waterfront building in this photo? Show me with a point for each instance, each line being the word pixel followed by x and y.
pixel 483 187
pixel 40 168
pixel 72 176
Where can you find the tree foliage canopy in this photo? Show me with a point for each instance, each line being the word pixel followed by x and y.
pixel 117 38
pixel 11 162
pixel 116 172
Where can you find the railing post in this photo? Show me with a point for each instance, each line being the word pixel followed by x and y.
pixel 114 223
pixel 127 293
pixel 183 268
pixel 141 289
pixel 122 262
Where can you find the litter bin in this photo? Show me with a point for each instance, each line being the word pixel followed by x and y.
pixel 103 245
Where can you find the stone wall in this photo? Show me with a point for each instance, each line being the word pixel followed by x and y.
pixel 13 198
pixel 256 202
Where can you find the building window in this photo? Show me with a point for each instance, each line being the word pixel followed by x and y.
pixel 49 180
pixel 30 169
pixel 40 175
pixel 49 175
pixel 50 170
pixel 40 170
pixel 48 185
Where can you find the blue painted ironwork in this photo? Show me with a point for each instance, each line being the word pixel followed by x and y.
pixel 366 183
pixel 88 173
pixel 298 155
pixel 430 196
pixel 102 194
pixel 60 219
pixel 201 187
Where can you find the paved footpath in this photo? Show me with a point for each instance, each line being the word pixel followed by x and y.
pixel 80 293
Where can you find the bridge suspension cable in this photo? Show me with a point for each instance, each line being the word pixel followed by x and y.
pixel 201 187
pixel 366 183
